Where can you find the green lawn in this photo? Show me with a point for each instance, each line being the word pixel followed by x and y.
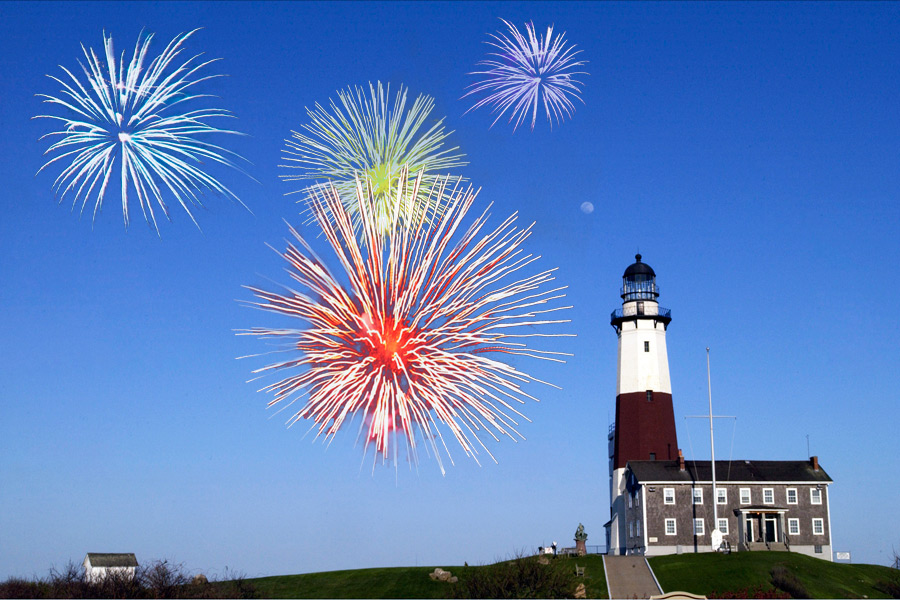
pixel 400 582
pixel 697 573
pixel 705 573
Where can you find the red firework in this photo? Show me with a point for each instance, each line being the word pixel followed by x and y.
pixel 417 336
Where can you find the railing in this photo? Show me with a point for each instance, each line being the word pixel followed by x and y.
pixel 589 549
pixel 619 314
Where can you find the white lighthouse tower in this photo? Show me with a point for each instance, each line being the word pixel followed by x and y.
pixel 645 418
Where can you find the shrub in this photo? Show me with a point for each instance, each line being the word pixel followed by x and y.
pixel 891 587
pixel 755 592
pixel 785 580
pixel 158 579
pixel 521 577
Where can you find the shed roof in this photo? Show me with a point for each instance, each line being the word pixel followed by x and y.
pixel 762 471
pixel 101 559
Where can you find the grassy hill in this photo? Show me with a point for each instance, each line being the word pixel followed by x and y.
pixel 697 573
pixel 705 573
pixel 400 582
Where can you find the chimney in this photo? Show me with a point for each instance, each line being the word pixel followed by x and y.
pixel 681 460
pixel 814 461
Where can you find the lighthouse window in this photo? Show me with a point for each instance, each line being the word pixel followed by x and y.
pixel 649 395
pixel 646 346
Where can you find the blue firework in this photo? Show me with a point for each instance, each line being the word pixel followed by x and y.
pixel 128 116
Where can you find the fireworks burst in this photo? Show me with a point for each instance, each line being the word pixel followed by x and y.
pixel 366 137
pixel 527 72
pixel 128 113
pixel 417 337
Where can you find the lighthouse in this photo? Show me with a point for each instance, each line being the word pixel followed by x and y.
pixel 645 418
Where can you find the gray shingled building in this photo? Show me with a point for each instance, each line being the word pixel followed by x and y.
pixel 760 505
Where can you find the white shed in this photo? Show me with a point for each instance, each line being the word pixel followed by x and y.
pixel 99 565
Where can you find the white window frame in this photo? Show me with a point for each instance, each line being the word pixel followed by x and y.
pixel 748 496
pixel 724 530
pixel 793 526
pixel 669 494
pixel 818 524
pixel 815 496
pixel 674 527
pixel 699 528
pixel 695 494
pixel 770 494
pixel 787 495
pixel 721 495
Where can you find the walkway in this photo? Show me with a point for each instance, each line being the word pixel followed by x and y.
pixel 629 577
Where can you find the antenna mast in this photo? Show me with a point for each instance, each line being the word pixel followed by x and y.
pixel 712 447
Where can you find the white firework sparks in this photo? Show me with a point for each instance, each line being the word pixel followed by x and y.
pixel 129 113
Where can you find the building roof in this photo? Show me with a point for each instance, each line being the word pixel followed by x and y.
pixel 750 471
pixel 100 559
pixel 638 268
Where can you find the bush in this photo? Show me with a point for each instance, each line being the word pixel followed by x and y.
pixel 891 587
pixel 755 592
pixel 521 577
pixel 158 579
pixel 788 582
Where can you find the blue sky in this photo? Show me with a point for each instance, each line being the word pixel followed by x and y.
pixel 748 151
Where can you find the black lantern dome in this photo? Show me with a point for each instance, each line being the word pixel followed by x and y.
pixel 639 282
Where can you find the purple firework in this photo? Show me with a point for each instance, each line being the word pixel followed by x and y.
pixel 528 71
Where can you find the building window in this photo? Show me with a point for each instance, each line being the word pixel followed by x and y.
pixel 637 497
pixel 698 495
pixel 794 526
pixel 723 526
pixel 815 496
pixel 630 529
pixel 768 496
pixel 818 527
pixel 721 496
pixel 646 346
pixel 668 495
pixel 698 526
pixel 792 495
pixel 745 495
pixel 818 549
pixel 638 529
pixel 630 499
pixel 670 526
pixel 649 395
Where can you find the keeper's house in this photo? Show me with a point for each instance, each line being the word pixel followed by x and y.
pixel 759 505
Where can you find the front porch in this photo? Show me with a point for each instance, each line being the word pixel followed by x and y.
pixel 762 528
